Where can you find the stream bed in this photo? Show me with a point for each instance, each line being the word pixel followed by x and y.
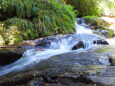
pixel 82 55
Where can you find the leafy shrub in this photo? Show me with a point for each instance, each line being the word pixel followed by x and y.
pixel 93 7
pixel 25 27
pixel 54 18
pixel 14 30
pixel 36 18
pixel 85 7
pixel 2 42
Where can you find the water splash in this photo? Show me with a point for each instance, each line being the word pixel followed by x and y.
pixel 81 28
pixel 63 45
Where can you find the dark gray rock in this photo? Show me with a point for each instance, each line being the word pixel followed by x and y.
pixel 9 55
pixel 68 69
pixel 105 76
pixel 103 42
pixel 80 44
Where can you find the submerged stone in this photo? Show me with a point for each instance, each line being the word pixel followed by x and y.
pixel 79 45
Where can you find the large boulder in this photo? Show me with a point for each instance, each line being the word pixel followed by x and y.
pixel 64 69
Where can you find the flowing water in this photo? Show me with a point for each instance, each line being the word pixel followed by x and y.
pixel 63 45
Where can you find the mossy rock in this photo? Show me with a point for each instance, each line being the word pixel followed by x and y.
pixel 99 23
pixel 112 59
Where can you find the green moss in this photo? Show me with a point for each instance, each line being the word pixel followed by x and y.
pixel 110 31
pixel 112 60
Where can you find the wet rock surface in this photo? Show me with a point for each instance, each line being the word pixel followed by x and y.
pixel 69 69
pixel 11 53
pixel 71 39
pixel 78 45
pixel 8 56
pixel 103 42
pixel 105 76
pixel 105 33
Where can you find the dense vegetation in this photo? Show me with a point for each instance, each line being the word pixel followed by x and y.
pixel 30 19
pixel 85 7
pixel 93 7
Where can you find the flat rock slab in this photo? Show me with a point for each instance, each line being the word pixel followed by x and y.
pixel 105 76
pixel 74 67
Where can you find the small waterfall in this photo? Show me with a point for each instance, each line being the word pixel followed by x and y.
pixel 81 28
pixel 85 33
pixel 62 45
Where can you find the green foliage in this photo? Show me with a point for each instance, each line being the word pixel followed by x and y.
pixel 110 31
pixel 35 18
pixel 100 23
pixel 14 30
pixel 19 8
pixel 108 7
pixel 93 7
pixel 26 27
pixel 85 7
pixel 54 18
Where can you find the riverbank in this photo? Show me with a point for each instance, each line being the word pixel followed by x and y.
pixel 53 58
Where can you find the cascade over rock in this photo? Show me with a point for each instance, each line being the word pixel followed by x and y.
pixel 51 61
pixel 78 45
pixel 72 65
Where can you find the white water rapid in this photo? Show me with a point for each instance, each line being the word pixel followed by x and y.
pixel 32 56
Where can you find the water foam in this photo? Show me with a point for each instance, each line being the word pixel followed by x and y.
pixel 33 56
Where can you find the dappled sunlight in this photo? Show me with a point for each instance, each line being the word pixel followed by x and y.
pixel 110 21
pixel 111 41
pixel 108 6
